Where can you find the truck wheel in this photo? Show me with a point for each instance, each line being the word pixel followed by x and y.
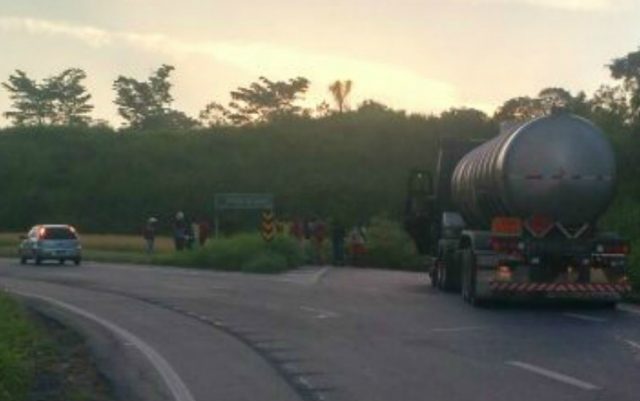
pixel 450 279
pixel 469 275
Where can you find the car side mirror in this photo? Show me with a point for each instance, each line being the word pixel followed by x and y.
pixel 22 237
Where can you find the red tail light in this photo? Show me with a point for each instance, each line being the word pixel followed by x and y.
pixel 615 248
pixel 506 244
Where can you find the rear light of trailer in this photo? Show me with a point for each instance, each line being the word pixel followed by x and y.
pixel 507 244
pixel 506 226
pixel 613 248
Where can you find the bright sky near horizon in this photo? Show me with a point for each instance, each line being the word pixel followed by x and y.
pixel 418 55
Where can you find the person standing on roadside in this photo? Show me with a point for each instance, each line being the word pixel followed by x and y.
pixel 149 234
pixel 204 231
pixel 338 233
pixel 357 247
pixel 179 231
pixel 189 234
pixel 318 234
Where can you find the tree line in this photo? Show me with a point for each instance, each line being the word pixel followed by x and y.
pixel 63 100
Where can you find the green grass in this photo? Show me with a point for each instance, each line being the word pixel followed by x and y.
pixel 19 342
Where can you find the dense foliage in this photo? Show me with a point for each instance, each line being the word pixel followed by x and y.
pixel 352 165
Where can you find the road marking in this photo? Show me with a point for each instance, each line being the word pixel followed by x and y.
pixel 320 313
pixel 633 344
pixel 554 375
pixel 171 378
pixel 304 275
pixel 629 309
pixel 586 318
pixel 454 329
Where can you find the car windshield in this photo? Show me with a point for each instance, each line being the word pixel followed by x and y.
pixel 59 233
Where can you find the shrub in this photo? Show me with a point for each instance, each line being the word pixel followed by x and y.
pixel 243 252
pixel 388 245
pixel 623 217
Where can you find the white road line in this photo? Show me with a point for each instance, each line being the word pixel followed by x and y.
pixel 554 375
pixel 629 309
pixel 320 313
pixel 173 381
pixel 454 329
pixel 633 344
pixel 586 318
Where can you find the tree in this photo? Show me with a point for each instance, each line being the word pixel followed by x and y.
pixel 519 109
pixel 170 120
pixel 71 99
pixel 525 108
pixel 214 115
pixel 371 106
pixel 32 103
pixel 340 91
pixel 145 104
pixel 465 123
pixel 59 100
pixel 323 109
pixel 627 69
pixel 260 102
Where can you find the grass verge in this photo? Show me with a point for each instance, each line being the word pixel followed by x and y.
pixel 41 360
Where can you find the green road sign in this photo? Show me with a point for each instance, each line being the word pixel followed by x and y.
pixel 243 201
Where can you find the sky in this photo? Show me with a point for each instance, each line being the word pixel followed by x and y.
pixel 418 55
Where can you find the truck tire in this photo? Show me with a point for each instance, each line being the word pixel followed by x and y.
pixel 469 277
pixel 450 273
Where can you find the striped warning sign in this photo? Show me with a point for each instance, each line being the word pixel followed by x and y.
pixel 268 225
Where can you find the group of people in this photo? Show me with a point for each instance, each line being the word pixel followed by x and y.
pixel 344 245
pixel 185 232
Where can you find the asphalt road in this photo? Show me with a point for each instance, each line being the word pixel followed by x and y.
pixel 336 334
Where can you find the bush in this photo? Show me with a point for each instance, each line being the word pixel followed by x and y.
pixel 243 252
pixel 388 245
pixel 624 218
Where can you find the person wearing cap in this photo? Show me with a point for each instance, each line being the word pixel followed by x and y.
pixel 149 234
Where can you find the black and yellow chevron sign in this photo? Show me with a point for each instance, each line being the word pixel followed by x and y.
pixel 268 225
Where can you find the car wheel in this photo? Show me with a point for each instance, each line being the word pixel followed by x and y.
pixel 38 260
pixel 61 261
pixel 23 260
pixel 77 261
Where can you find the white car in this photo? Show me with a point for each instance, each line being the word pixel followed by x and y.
pixel 50 242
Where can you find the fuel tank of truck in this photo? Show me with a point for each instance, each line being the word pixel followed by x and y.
pixel 559 166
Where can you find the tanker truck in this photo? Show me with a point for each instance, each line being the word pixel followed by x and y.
pixel 517 216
